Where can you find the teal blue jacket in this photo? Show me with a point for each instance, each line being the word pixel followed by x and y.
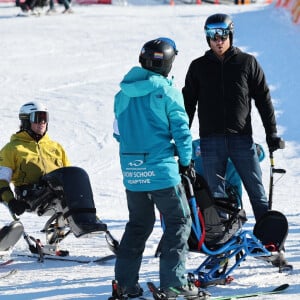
pixel 150 123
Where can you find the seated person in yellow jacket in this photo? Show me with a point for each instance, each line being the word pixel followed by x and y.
pixel 28 157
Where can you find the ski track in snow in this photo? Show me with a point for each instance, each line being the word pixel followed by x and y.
pixel 74 64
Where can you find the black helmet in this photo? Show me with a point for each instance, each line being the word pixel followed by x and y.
pixel 158 55
pixel 222 22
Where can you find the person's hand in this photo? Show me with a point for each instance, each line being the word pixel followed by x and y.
pixel 188 171
pixel 275 142
pixel 17 207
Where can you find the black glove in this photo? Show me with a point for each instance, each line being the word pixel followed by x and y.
pixel 189 171
pixel 275 142
pixel 17 207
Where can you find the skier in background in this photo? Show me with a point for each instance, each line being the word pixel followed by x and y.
pixel 66 3
pixel 27 7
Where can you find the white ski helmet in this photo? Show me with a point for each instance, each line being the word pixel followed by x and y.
pixel 30 113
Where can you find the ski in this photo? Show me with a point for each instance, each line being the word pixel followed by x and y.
pixel 35 13
pixel 7 274
pixel 5 263
pixel 27 15
pixel 104 259
pixel 139 297
pixel 281 263
pixel 158 295
pixel 99 261
pixel 286 268
pixel 276 290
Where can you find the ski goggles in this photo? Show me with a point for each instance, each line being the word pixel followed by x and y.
pixel 217 33
pixel 170 42
pixel 39 116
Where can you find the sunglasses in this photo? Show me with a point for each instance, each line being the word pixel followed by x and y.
pixel 217 33
pixel 39 116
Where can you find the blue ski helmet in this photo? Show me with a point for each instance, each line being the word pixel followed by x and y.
pixel 158 55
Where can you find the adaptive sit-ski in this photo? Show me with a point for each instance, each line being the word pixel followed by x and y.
pixel 66 196
pixel 217 232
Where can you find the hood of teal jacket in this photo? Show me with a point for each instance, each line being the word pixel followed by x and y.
pixel 140 82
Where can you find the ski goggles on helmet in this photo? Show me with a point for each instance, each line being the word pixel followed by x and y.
pixel 170 42
pixel 39 116
pixel 217 33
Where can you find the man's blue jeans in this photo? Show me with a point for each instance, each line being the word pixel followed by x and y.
pixel 215 151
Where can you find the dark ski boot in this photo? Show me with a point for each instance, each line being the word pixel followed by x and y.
pixel 119 294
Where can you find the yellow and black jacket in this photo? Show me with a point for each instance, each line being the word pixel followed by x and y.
pixel 23 161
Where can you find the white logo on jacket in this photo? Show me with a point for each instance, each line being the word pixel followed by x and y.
pixel 135 163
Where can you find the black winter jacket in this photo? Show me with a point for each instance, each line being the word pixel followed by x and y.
pixel 223 91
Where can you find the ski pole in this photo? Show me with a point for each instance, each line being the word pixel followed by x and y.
pixel 272 171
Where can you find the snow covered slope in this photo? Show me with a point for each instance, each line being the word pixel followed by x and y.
pixel 74 64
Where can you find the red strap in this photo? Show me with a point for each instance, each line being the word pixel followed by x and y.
pixel 271 247
pixel 201 241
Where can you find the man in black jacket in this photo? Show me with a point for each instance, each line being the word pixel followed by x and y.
pixel 222 83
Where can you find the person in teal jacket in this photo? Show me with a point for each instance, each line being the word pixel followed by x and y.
pixel 150 123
